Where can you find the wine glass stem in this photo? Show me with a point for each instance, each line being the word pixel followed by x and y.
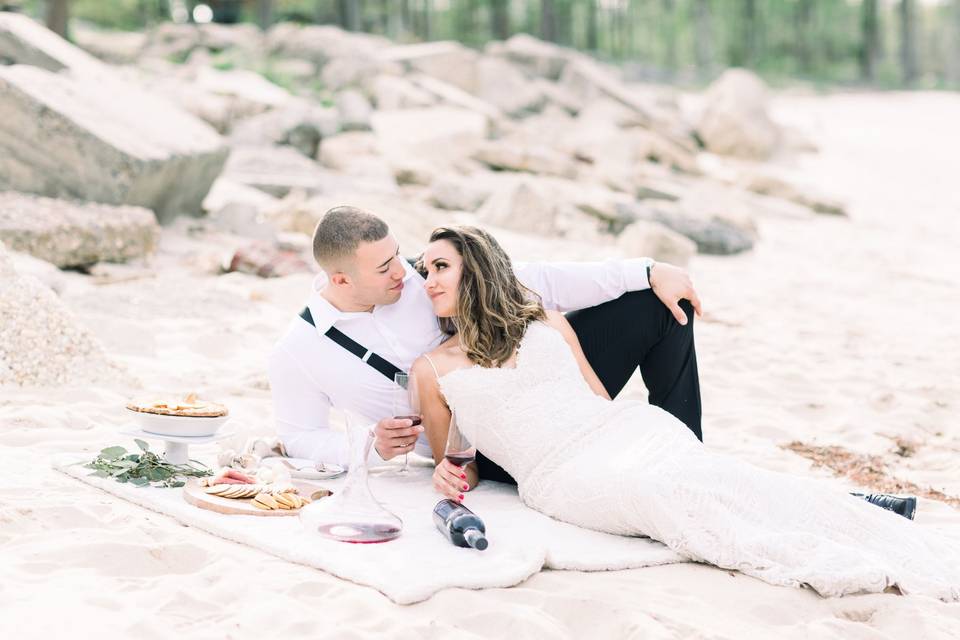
pixel 406 463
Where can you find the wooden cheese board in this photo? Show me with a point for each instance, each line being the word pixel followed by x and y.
pixel 194 493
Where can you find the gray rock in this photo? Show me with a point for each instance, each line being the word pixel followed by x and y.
pixel 391 92
pixel 522 206
pixel 458 193
pixel 654 240
pixel 588 80
pixel 442 137
pixel 505 87
pixel 355 72
pixel 516 155
pixel 735 121
pixel 447 61
pixel 771 185
pixel 114 47
pixel 71 234
pixel 536 56
pixel 355 110
pixel 102 140
pixel 301 125
pixel 278 171
pixel 457 97
pixel 712 235
pixel 23 41
pixel 46 272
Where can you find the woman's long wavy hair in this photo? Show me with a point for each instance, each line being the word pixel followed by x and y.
pixel 493 307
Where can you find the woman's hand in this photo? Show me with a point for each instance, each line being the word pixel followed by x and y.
pixel 452 481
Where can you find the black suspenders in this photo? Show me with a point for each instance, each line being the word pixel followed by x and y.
pixel 382 365
pixel 385 367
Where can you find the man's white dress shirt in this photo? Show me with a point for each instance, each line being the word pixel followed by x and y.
pixel 310 374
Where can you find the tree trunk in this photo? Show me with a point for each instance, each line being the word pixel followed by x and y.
pixel 750 33
pixel 500 19
pixel 908 42
pixel 804 24
pixel 870 40
pixel 592 42
pixel 349 13
pixel 265 13
pixel 704 44
pixel 548 21
pixel 58 17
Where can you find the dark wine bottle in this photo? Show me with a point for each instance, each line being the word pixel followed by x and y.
pixel 461 526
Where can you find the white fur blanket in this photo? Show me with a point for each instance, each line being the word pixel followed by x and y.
pixel 421 561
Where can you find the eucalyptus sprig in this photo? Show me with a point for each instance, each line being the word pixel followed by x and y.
pixel 145 468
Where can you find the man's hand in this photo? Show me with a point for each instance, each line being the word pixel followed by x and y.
pixel 672 284
pixel 395 437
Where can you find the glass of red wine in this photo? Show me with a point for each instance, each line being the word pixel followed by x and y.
pixel 459 451
pixel 406 405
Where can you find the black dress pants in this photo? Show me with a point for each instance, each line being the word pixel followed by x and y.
pixel 636 330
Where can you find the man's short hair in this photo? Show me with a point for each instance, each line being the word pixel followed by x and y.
pixel 340 232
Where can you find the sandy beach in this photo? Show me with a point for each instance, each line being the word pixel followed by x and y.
pixel 832 331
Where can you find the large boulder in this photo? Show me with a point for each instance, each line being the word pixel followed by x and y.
pixel 654 240
pixel 71 234
pixel 535 56
pixel 301 124
pixel 41 343
pixel 519 154
pixel 735 120
pixel 391 92
pixel 769 184
pixel 527 204
pixel 24 41
pixel 505 87
pixel 220 98
pixel 713 234
pixel 459 193
pixel 354 109
pixel 105 141
pixel 421 144
pixel 450 62
pixel 280 170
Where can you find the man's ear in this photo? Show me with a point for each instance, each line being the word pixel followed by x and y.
pixel 340 279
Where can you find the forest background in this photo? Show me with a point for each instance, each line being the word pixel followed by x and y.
pixel 883 44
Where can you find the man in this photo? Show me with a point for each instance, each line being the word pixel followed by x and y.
pixel 371 294
pixel 369 316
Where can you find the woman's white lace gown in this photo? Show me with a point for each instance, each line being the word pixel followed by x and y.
pixel 633 469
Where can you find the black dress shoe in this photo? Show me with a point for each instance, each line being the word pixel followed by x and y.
pixel 905 507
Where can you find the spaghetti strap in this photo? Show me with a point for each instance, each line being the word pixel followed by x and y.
pixel 432 365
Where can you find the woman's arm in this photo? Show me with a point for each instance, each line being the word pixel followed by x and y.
pixel 448 478
pixel 557 320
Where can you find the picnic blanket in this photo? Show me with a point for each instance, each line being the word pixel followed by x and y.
pixel 421 561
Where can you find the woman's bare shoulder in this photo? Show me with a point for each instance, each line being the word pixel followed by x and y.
pixel 445 357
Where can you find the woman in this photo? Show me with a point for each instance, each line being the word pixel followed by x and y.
pixel 525 395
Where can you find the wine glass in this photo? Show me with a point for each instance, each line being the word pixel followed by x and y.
pixel 406 405
pixel 459 450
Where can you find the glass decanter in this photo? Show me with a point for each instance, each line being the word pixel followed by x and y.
pixel 352 514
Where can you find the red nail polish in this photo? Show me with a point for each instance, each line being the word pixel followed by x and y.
pixel 465 487
pixel 461 496
pixel 463 476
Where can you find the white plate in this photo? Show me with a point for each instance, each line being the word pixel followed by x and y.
pixel 305 469
pixel 178 425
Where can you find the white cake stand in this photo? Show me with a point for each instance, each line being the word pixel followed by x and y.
pixel 176 448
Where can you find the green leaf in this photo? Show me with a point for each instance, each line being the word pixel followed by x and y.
pixel 100 473
pixel 139 482
pixel 143 445
pixel 112 453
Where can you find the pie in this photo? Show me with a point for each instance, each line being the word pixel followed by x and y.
pixel 190 406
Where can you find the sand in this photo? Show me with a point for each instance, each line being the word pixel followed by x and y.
pixel 832 331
